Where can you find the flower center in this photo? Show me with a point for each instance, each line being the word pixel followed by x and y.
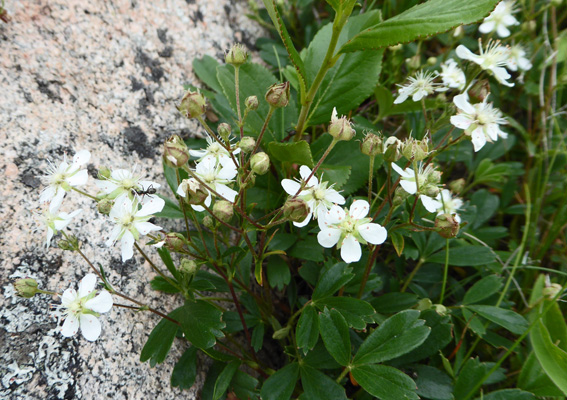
pixel 129 183
pixel 319 194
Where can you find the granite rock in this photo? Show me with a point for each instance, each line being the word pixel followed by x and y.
pixel 103 76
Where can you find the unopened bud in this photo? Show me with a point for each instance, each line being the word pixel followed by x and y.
pixel 395 47
pixel 432 60
pixel 224 130
pixel 71 243
pixel 415 150
pixel 341 128
pixel 441 309
pixel 193 105
pixel 480 90
pixel 414 62
pixel 223 210
pixel 281 333
pixel 529 26
pixel 277 95
pixel 459 31
pixel 236 55
pixel 174 241
pixel 208 222
pixel 260 163
pixel 430 190
pixel 175 152
pixel 424 304
pixel 188 268
pixel 434 177
pixel 392 147
pixel 26 287
pixel 104 206
pixel 552 290
pixel 447 226
pixel 247 144
pixel 194 192
pixel 296 210
pixel 400 195
pixel 251 103
pixel 103 173
pixel 457 186
pixel 371 145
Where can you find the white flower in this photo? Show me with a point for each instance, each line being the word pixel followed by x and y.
pixel 449 204
pixel 57 221
pixel 517 59
pixel 131 222
pixel 319 196
pixel 216 175
pixel 214 151
pixel 123 183
pixel 500 19
pixel 481 121
pixel 349 230
pixel 64 177
pixel 409 183
pixel 493 59
pixel 419 87
pixel 83 308
pixel 453 77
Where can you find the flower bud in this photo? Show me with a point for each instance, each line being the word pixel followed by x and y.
pixel 459 31
pixel 413 62
pixel 447 226
pixel 26 287
pixel 224 130
pixel 104 206
pixel 400 195
pixel 188 268
pixel 551 291
pixel 424 304
pixel 192 105
pixel 296 210
pixel 392 147
pixel 71 243
pixel 340 128
pixel 277 95
pixel 457 186
pixel 430 190
pixel 175 152
pixel 281 333
pixel 440 309
pixel 236 55
pixel 415 150
pixel 260 163
pixel 432 61
pixel 208 222
pixel 371 145
pixel 103 173
pixel 195 193
pixel 174 241
pixel 529 26
pixel 395 47
pixel 434 177
pixel 223 210
pixel 247 144
pixel 251 103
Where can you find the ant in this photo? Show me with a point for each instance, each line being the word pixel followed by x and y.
pixel 141 192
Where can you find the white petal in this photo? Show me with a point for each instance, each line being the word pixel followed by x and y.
pixel 228 172
pixel 407 173
pixel 50 234
pixel 502 31
pixel 462 101
pixel 291 187
pixel 146 227
pixel 78 179
pixel 401 98
pixel 69 295
pixel 226 192
pixel 304 222
pixel 127 246
pixel 147 184
pixel 501 75
pixel 121 174
pixel 335 215
pixel 487 27
pixel 408 186
pixel 106 186
pixel 116 231
pixel 82 157
pixel 465 54
pixel 359 209
pixel 329 237
pixel 58 198
pixel 197 153
pixel 478 139
pixel 304 172
pixel 350 249
pixel 198 208
pixel 153 206
pixel 101 303
pixel 461 121
pixel 158 202
pixel 430 204
pixel 47 194
pixel 70 326
pixel 182 188
pixel 334 197
pixel 90 327
pixel 373 233
pixel 87 285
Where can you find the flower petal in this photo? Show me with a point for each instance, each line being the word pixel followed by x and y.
pixel 304 172
pixel 408 186
pixel 226 192
pixel 461 121
pixel 90 327
pixel 430 204
pixel 106 186
pixel 68 296
pixel 127 243
pixel 359 209
pixel 70 326
pixel 101 303
pixel 146 227
pixel 478 139
pixel 79 178
pixel 462 102
pixel 350 249
pixel 305 221
pixel 158 202
pixel 334 197
pixel 87 285
pixel 153 206
pixel 335 215
pixel 82 157
pixel 373 233
pixel 329 237
pixel 407 173
pixel 291 187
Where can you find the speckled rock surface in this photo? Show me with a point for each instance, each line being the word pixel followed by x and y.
pixel 103 76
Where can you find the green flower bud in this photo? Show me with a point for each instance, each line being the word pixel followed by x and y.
pixel 551 291
pixel 193 104
pixel 432 60
pixel 277 95
pixel 208 222
pixel 224 130
pixel 104 206
pixel 413 62
pixel 424 304
pixel 247 144
pixel 188 268
pixel 434 177
pixel 296 210
pixel 400 195
pixel 441 309
pixel 26 287
pixel 195 193
pixel 236 55
pixel 174 241
pixel 430 190
pixel 340 128
pixel 251 103
pixel 175 152
pixel 103 173
pixel 395 47
pixel 415 150
pixel 392 147
pixel 447 226
pixel 70 244
pixel 457 186
pixel 371 145
pixel 223 210
pixel 260 163
pixel 281 333
pixel 530 26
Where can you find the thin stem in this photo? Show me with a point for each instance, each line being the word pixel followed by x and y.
pixel 345 371
pixel 155 268
pixel 84 193
pixel 412 274
pixel 264 127
pixel 237 91
pixel 370 179
pixel 445 272
pixel 369 265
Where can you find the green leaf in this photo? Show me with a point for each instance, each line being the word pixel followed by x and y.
pixel 335 334
pixel 307 249
pixel 335 174
pixel 224 379
pixel 426 19
pixel 317 385
pixel 170 209
pixel 280 385
pixel 394 302
pixel 201 323
pixel 534 379
pixel 471 373
pixel 278 272
pixel 508 319
pixel 320 358
pixel 386 383
pixel 483 289
pixel 244 386
pixel 465 256
pixel 332 279
pixel 355 311
pixel 552 359
pixel 296 152
pixel 307 330
pixel 160 340
pixel 206 70
pixel 185 370
pixel 168 261
pixel 398 242
pixel 508 394
pixel 398 335
pixel 433 383
pixel 158 283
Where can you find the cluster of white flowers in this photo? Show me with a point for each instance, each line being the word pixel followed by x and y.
pixel 500 19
